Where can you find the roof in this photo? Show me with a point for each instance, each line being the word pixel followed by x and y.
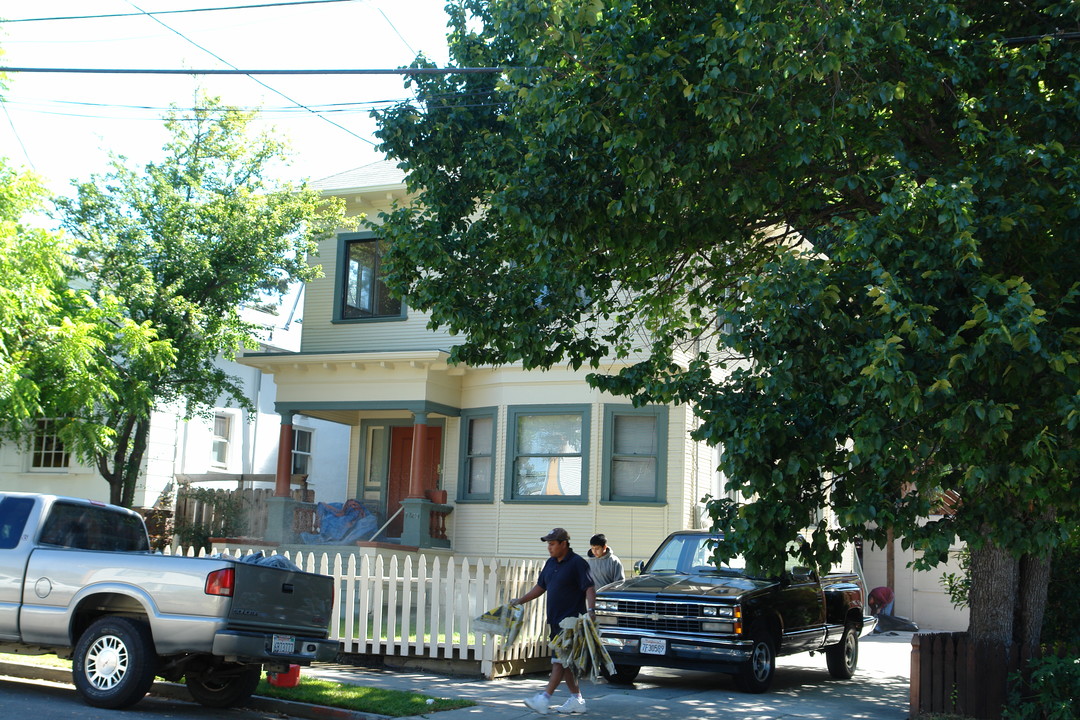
pixel 380 173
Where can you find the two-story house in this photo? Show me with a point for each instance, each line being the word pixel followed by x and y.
pixel 516 452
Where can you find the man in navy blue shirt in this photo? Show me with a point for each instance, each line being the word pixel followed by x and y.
pixel 570 592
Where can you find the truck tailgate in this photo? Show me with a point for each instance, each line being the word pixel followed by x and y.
pixel 281 600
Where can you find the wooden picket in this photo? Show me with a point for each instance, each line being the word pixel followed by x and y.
pixel 424 608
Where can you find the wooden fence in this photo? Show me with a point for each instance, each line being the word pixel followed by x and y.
pixel 951 675
pixel 237 513
pixel 424 608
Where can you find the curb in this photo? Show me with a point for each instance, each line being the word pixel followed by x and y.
pixel 177 691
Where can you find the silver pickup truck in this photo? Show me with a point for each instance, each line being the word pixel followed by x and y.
pixel 77 579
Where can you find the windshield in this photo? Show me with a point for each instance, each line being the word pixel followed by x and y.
pixel 692 555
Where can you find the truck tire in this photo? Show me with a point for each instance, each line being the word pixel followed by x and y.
pixel 843 657
pixel 624 674
pixel 225 686
pixel 756 675
pixel 114 662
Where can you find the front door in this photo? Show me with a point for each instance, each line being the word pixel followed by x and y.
pixel 398 478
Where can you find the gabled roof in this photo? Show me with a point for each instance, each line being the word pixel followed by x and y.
pixel 381 173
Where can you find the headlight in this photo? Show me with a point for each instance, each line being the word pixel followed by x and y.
pixel 607 605
pixel 724 611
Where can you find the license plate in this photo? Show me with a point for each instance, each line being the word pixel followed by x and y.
pixel 653 646
pixel 283 644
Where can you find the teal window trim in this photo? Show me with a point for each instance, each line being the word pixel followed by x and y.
pixel 607 491
pixel 509 479
pixel 340 283
pixel 465 459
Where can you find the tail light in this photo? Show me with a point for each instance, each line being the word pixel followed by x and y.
pixel 220 582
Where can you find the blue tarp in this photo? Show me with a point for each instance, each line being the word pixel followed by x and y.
pixel 342 524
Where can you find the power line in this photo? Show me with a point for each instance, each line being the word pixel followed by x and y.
pixel 260 82
pixel 222 71
pixel 173 12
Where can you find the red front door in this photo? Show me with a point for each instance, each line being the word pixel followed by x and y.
pixel 400 459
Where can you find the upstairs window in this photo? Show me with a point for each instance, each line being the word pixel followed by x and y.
pixel 301 451
pixel 219 451
pixel 48 453
pixel 363 294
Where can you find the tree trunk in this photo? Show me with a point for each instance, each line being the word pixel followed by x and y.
pixel 121 468
pixel 992 602
pixel 994 574
pixel 133 463
pixel 1031 600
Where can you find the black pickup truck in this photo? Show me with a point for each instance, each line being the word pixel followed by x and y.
pixel 682 611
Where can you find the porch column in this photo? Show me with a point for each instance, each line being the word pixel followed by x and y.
pixel 283 485
pixel 418 461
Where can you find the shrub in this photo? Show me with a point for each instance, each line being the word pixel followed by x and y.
pixel 1051 692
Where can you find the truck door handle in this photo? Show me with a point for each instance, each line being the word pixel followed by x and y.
pixel 287 588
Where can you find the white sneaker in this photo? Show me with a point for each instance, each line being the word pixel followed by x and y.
pixel 538 703
pixel 573 706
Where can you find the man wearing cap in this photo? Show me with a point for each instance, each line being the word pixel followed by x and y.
pixel 569 586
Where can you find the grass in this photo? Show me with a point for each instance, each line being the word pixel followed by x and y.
pixel 360 698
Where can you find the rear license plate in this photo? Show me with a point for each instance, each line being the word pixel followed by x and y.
pixel 283 644
pixel 653 646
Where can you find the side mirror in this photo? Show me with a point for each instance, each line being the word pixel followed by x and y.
pixel 639 566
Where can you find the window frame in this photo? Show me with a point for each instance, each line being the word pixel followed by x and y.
pixel 341 284
pixel 464 459
pixel 44 429
pixel 513 412
pixel 659 497
pixel 226 439
pixel 309 453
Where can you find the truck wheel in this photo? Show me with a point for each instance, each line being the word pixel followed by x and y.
pixel 114 663
pixel 755 676
pixel 224 686
pixel 843 657
pixel 624 674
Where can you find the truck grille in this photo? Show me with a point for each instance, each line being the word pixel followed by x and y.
pixel 659 616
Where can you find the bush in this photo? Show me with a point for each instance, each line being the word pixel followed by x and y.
pixel 1051 691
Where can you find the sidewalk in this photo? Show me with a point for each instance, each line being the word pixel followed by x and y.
pixel 801 689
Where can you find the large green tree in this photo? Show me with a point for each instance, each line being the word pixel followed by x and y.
pixel 184 244
pixel 53 336
pixel 872 204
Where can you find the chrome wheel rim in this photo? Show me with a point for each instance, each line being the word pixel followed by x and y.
pixel 106 662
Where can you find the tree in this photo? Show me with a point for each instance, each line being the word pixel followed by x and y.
pixel 184 245
pixel 53 337
pixel 872 205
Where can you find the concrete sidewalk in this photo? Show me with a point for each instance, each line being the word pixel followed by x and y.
pixel 801 689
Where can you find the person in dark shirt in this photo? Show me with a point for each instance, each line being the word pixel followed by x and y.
pixel 570 592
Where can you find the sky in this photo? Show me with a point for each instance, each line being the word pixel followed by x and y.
pixel 63 126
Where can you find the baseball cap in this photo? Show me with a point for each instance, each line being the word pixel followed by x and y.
pixel 556 534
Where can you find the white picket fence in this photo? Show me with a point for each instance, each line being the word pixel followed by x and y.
pixel 425 608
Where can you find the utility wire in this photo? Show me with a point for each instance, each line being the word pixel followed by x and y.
pixel 15 131
pixel 237 71
pixel 173 12
pixel 260 82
